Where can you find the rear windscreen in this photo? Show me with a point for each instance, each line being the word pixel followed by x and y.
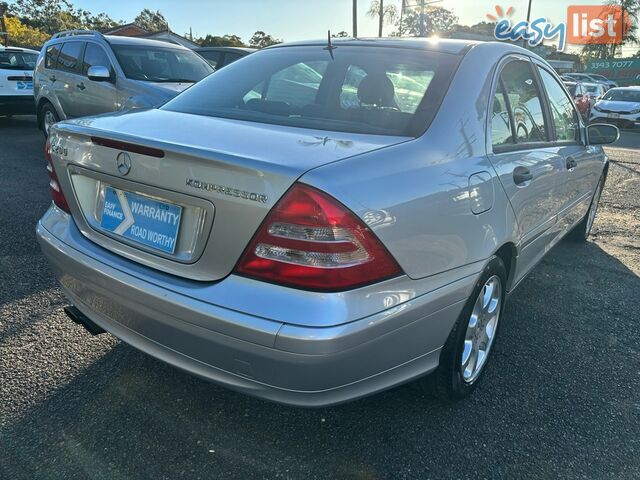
pixel 376 90
pixel 17 60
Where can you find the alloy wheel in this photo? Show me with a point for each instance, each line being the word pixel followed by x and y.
pixel 481 329
pixel 49 120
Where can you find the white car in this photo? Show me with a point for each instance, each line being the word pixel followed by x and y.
pixel 619 106
pixel 16 81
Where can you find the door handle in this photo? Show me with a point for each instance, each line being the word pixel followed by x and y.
pixel 522 175
pixel 81 86
pixel 571 164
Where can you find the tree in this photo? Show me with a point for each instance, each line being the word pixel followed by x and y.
pixel 52 16
pixel 49 16
pixel 101 21
pixel 224 41
pixel 482 28
pixel 151 21
pixel 437 20
pixel 384 13
pixel 261 40
pixel 630 35
pixel 21 35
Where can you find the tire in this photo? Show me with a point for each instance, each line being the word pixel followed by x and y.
pixel 582 230
pixel 48 116
pixel 452 380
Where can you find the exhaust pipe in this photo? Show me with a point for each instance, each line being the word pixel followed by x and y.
pixel 81 319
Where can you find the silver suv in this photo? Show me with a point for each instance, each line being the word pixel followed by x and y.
pixel 82 72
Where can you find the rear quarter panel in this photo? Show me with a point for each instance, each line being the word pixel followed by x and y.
pixel 419 197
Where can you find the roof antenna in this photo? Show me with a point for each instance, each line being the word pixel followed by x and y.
pixel 330 45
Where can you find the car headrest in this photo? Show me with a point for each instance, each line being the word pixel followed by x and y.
pixel 376 89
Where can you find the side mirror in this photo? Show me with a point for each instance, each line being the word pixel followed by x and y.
pixel 99 74
pixel 602 134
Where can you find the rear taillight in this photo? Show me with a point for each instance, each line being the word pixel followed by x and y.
pixel 54 184
pixel 311 241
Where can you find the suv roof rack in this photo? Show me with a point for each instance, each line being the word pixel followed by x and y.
pixel 71 33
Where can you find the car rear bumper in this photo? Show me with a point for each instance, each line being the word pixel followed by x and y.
pixel 17 105
pixel 292 364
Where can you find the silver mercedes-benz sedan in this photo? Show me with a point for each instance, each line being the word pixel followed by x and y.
pixel 317 222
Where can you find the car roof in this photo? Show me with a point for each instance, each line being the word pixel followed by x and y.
pixel 17 49
pixel 446 45
pixel 226 49
pixel 116 40
pixel 143 42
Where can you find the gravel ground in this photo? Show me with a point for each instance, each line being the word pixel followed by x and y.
pixel 561 398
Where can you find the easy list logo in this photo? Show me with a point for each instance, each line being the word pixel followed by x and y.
pixel 534 32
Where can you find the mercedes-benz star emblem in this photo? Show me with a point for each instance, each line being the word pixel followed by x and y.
pixel 124 163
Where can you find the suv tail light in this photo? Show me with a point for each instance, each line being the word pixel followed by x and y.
pixel 54 185
pixel 311 241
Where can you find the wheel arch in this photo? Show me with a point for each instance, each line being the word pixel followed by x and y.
pixel 508 254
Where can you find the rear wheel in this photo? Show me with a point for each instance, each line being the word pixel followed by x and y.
pixel 49 117
pixel 582 231
pixel 467 351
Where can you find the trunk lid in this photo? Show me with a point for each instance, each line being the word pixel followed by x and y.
pixel 224 175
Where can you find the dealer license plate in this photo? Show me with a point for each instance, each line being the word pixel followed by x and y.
pixel 141 219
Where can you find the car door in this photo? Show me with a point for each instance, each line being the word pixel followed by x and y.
pixel 95 97
pixel 68 77
pixel 529 170
pixel 583 164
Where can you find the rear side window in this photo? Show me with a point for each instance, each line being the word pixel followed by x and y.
pixel 95 56
pixel 565 118
pixel 521 89
pixel 69 57
pixel 51 57
pixel 501 131
pixel 375 90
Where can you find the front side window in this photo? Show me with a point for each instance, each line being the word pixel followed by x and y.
pixel 522 91
pixel 157 64
pixel 377 90
pixel 231 57
pixel 95 56
pixel 70 56
pixel 51 57
pixel 565 117
pixel 212 57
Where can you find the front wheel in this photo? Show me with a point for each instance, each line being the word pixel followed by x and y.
pixel 465 354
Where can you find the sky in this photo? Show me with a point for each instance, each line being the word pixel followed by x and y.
pixel 292 20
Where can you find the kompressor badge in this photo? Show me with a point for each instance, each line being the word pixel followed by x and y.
pixel 224 190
